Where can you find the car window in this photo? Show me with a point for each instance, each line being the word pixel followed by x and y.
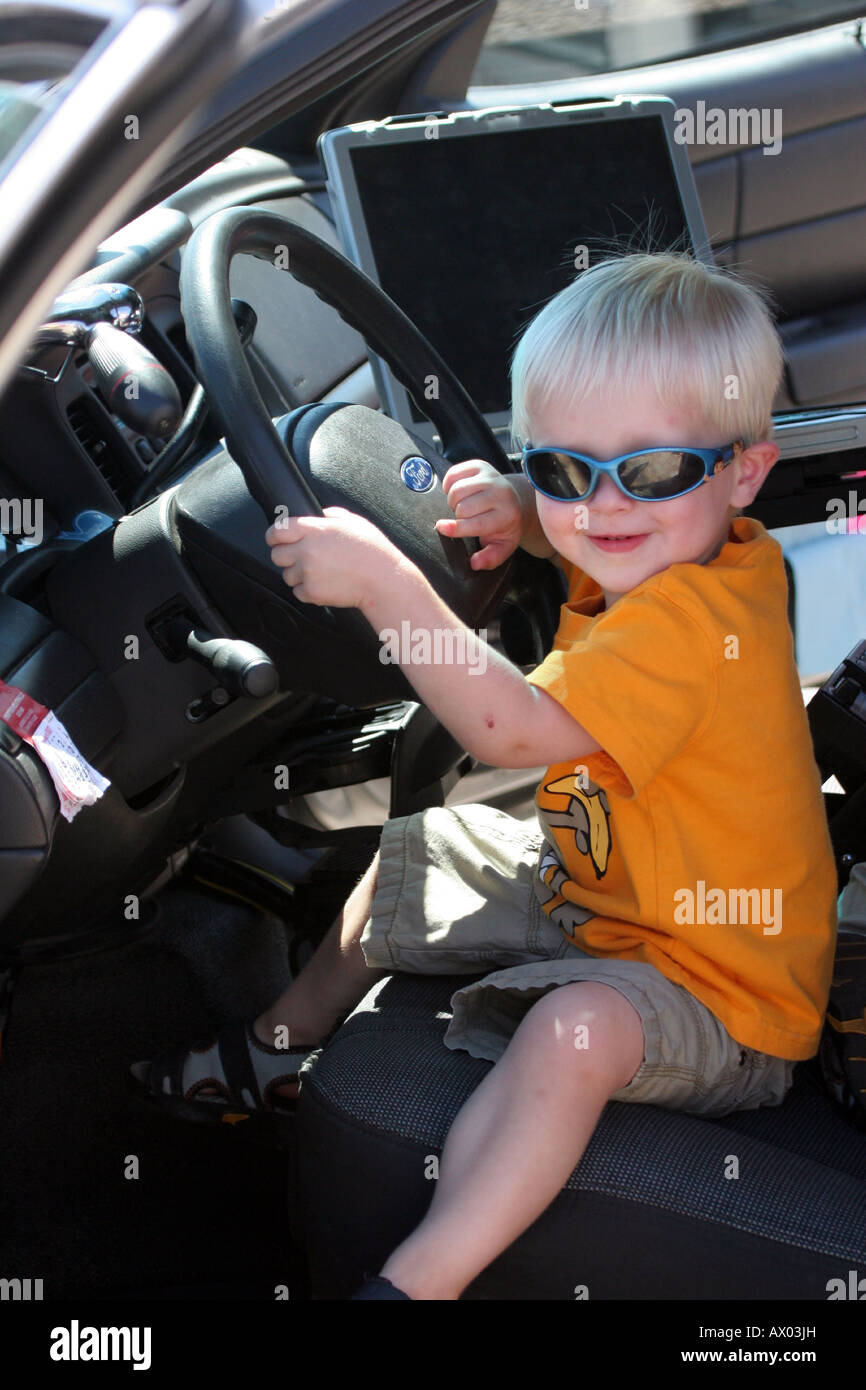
pixel 828 560
pixel 20 105
pixel 541 40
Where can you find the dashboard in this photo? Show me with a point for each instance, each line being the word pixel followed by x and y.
pixel 69 465
pixel 83 627
pixel 119 609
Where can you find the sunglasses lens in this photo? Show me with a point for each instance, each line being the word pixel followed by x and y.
pixel 664 474
pixel 558 475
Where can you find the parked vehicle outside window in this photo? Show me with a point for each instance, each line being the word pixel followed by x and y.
pixel 551 39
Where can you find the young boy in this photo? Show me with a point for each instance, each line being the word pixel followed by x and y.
pixel 667 935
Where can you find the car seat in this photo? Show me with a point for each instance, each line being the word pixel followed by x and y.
pixel 761 1204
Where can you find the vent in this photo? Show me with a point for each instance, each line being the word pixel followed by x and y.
pixel 90 433
pixel 177 338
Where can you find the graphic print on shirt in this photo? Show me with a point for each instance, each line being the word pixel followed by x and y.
pixel 586 814
pixel 582 809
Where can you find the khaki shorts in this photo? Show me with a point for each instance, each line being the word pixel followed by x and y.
pixel 456 895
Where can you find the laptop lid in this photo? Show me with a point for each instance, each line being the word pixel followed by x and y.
pixel 472 220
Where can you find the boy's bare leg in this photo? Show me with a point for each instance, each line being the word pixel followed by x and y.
pixel 517 1139
pixel 332 983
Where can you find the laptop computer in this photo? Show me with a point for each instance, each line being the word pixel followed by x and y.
pixel 472 220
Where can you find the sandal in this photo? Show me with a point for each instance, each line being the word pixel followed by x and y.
pixel 243 1072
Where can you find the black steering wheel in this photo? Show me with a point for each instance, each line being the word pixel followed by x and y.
pixel 345 454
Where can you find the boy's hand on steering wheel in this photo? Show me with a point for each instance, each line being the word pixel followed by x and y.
pixel 338 558
pixel 486 505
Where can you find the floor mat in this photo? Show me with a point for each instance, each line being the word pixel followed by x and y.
pixel 100 1193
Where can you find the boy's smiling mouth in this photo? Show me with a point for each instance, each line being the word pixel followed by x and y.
pixel 616 543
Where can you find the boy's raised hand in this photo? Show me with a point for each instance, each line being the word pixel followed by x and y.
pixel 486 505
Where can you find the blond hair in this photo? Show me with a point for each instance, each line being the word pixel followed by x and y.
pixel 703 336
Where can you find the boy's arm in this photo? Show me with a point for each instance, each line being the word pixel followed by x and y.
pixel 486 703
pixel 533 540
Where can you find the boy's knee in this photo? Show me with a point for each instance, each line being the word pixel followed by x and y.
pixel 594 1026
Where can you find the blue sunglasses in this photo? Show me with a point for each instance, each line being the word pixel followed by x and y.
pixel 651 475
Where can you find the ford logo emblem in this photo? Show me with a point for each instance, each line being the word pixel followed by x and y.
pixel 417 474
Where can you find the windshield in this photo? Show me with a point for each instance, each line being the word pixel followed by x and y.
pixel 545 40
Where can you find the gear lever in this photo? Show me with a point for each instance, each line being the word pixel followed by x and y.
pixel 101 319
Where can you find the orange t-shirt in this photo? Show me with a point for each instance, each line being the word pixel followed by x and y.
pixel 696 840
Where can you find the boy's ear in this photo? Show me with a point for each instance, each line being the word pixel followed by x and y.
pixel 753 465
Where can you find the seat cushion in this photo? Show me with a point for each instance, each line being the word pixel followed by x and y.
pixel 761 1204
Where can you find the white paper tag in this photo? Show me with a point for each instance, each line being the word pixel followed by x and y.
pixel 76 782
